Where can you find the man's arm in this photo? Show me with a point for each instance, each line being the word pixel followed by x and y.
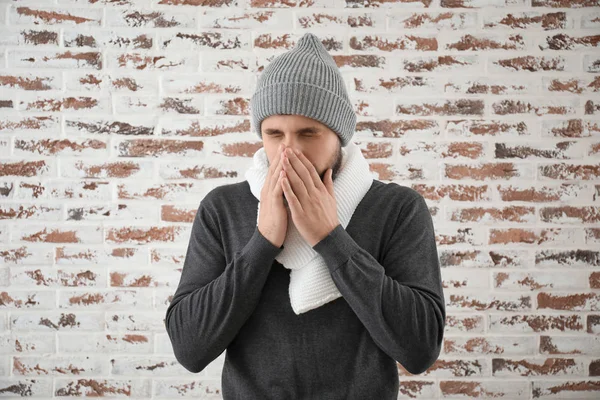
pixel 401 303
pixel 214 300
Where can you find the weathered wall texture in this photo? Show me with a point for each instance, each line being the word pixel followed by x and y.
pixel 118 116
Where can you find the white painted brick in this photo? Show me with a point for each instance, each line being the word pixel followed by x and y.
pixel 27 343
pixel 148 18
pixel 117 81
pixel 144 366
pixel 134 388
pixel 198 387
pixel 52 321
pixel 58 365
pixel 429 20
pixel 133 322
pixel 206 40
pixel 25 37
pixel 65 190
pixel 109 299
pixel 102 343
pixel 25 254
pixel 108 39
pixel 102 168
pixel 157 278
pixel 34 387
pixel 67 59
pixel 33 212
pixel 29 124
pixel 234 83
pixel 50 277
pixel 153 61
pixel 246 19
pixel 68 255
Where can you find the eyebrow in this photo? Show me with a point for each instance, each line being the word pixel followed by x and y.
pixel 310 129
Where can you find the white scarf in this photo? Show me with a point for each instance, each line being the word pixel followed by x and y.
pixel 311 285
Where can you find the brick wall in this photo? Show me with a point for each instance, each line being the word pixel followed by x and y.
pixel 118 116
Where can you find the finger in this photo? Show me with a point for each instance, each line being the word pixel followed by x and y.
pixel 269 182
pixel 273 163
pixel 295 180
pixel 275 177
pixel 278 190
pixel 290 196
pixel 311 169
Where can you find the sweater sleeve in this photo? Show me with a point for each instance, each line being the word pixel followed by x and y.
pixel 401 301
pixel 213 300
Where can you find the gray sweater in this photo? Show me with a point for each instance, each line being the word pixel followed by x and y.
pixel 233 295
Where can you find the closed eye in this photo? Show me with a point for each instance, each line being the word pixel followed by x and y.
pixel 309 131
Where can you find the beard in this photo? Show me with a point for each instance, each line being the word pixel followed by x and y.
pixel 335 165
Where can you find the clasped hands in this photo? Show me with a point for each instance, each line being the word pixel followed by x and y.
pixel 311 201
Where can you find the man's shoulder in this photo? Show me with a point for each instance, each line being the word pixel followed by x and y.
pixel 395 193
pixel 228 195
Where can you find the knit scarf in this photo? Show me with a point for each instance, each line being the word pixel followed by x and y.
pixel 311 285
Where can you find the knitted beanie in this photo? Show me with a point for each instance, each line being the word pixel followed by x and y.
pixel 305 81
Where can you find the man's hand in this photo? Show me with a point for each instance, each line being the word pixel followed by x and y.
pixel 311 201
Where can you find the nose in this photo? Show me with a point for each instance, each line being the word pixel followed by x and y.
pixel 287 145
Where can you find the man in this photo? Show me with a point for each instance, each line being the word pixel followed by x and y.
pixel 378 252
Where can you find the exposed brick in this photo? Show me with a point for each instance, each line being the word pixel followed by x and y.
pixel 158 191
pixel 537 107
pixel 563 41
pixel 157 148
pixel 103 126
pixel 107 39
pixel 30 37
pixel 110 169
pixel 33 212
pixel 392 42
pixel 433 20
pixel 222 40
pixel 228 83
pixel 52 16
pixel 487 41
pixel 565 3
pixel 30 81
pixel 153 62
pixel 28 124
pixel 527 20
pixel 113 81
pixel 449 107
pixel 532 63
pixel 52 59
pixel 55 147
pixel 176 214
pixel 205 3
pixel 144 235
pixel 55 104
pixel 145 18
pixel 41 168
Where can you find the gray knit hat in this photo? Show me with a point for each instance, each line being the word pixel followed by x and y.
pixel 305 81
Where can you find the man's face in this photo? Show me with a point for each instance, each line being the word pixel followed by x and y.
pixel 320 145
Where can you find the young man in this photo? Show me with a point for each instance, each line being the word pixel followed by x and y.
pixel 316 278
